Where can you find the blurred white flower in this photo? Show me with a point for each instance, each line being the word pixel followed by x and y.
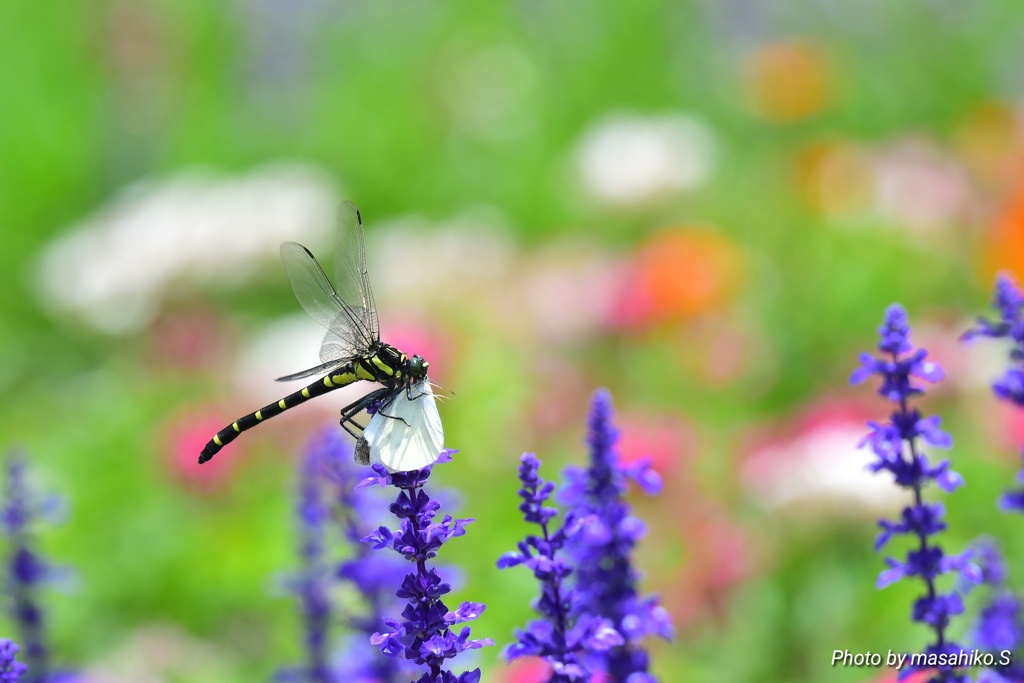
pixel 113 268
pixel 821 467
pixel 413 259
pixel 631 159
pixel 160 653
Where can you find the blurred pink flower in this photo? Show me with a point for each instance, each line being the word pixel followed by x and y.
pixel 665 439
pixel 527 670
pixel 939 332
pixel 414 333
pixel 725 350
pixel 565 291
pixel 559 393
pixel 191 338
pixel 535 670
pixel 1003 425
pixel 186 434
pixel 919 186
pixel 721 557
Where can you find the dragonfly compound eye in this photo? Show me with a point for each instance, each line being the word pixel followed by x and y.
pixel 418 367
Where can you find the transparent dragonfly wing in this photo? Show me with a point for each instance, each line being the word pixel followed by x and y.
pixel 407 434
pixel 349 316
pixel 321 369
pixel 350 272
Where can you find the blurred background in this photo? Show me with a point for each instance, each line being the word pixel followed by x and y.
pixel 704 206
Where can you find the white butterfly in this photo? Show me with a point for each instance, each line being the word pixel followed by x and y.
pixel 405 434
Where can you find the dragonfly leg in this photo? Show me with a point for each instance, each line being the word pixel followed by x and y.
pixel 349 412
pixel 345 425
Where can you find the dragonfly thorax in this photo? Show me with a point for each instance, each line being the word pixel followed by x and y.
pixel 387 365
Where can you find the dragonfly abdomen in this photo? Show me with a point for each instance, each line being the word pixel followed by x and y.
pixel 344 376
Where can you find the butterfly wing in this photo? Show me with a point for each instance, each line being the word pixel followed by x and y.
pixel 406 434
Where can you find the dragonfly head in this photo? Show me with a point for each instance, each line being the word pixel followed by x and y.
pixel 417 368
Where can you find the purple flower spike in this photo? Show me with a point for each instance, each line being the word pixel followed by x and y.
pixel 329 500
pixel 896 445
pixel 11 670
pixel 562 635
pixel 424 636
pixel 1008 300
pixel 26 572
pixel 1000 624
pixel 602 536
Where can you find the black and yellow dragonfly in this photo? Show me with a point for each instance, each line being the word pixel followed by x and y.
pixel 352 351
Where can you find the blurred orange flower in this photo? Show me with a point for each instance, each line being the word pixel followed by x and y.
pixel 787 81
pixel 677 274
pixel 1005 247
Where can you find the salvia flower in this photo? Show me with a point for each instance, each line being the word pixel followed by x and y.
pixel 334 515
pixel 312 582
pixel 1000 625
pixel 896 445
pixel 424 635
pixel 1008 300
pixel 562 633
pixel 357 511
pixel 605 580
pixel 11 670
pixel 26 571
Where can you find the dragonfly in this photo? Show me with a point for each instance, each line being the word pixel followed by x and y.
pixel 405 431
